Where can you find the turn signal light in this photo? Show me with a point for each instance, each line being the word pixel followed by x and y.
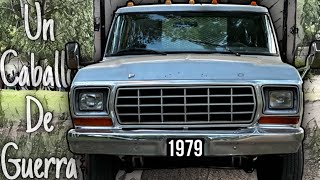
pixel 279 120
pixel 92 122
pixel 214 2
pixel 192 2
pixel 168 2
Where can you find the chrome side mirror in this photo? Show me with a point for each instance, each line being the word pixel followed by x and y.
pixel 73 55
pixel 314 51
pixel 313 59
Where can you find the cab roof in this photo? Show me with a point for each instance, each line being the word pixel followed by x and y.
pixel 192 8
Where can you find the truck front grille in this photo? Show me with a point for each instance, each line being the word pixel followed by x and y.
pixel 185 105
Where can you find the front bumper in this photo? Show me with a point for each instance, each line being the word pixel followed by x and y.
pixel 253 141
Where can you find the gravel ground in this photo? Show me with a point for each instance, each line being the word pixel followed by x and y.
pixel 311 169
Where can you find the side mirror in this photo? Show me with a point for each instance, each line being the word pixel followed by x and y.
pixel 314 54
pixel 73 55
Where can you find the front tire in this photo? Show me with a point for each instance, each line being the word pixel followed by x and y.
pixel 285 167
pixel 101 167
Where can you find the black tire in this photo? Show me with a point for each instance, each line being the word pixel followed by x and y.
pixel 281 167
pixel 101 167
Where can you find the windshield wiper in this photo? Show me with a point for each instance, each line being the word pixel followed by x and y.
pixel 217 45
pixel 133 51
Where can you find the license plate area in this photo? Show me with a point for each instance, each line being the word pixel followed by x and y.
pixel 185 147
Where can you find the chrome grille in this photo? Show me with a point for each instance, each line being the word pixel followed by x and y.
pixel 185 105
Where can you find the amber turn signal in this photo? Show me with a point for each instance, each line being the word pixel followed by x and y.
pixel 92 122
pixel 168 2
pixel 278 120
pixel 130 3
pixel 253 3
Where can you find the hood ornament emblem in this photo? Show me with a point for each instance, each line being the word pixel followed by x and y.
pixel 131 76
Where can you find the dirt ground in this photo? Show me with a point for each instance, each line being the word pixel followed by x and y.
pixel 312 163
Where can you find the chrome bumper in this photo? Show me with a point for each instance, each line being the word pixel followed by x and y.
pixel 253 141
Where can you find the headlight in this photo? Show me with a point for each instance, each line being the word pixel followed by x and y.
pixel 91 101
pixel 281 99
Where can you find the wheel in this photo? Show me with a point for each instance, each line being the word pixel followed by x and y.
pixel 101 167
pixel 281 167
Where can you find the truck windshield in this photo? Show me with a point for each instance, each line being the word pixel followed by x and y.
pixel 181 32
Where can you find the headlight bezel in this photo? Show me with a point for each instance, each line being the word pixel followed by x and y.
pixel 76 101
pixel 293 110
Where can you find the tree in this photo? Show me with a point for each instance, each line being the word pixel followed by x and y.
pixel 310 20
pixel 73 22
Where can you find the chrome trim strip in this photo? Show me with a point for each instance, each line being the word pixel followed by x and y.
pixel 248 141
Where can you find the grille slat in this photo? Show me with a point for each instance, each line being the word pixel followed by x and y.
pixel 198 104
pixel 208 99
pixel 188 113
pixel 186 105
pixel 161 105
pixel 231 99
pixel 139 111
pixel 242 95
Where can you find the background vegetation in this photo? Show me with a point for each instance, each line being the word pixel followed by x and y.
pixel 74 22
pixel 310 19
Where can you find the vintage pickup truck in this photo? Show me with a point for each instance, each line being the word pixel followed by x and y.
pixel 195 83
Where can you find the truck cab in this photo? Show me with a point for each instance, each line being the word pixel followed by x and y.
pixel 190 81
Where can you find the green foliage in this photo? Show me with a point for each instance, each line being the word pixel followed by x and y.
pixel 32 146
pixel 310 20
pixel 73 22
pixel 13 103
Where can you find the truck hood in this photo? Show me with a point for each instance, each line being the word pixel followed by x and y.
pixel 188 67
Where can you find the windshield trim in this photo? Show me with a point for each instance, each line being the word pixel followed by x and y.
pixel 268 18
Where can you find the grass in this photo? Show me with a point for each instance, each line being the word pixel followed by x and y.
pixel 14 102
pixel 39 144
